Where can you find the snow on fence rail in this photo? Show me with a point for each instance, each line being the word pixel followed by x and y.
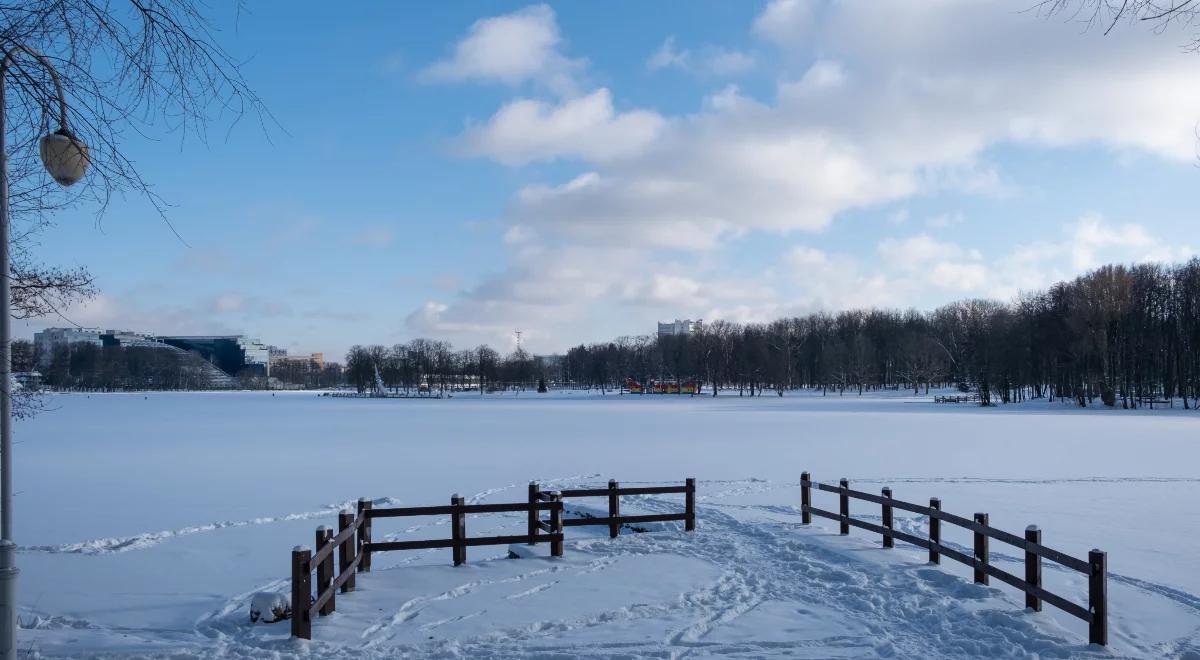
pixel 614 493
pixel 354 546
pixel 1095 567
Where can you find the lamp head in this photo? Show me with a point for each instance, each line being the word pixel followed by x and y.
pixel 65 157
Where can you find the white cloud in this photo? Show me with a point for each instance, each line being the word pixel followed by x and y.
pixel 712 60
pixel 730 62
pixel 511 49
pixel 586 127
pixel 822 75
pixel 667 56
pixel 886 101
pixel 785 21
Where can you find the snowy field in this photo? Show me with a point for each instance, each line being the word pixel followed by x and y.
pixel 147 522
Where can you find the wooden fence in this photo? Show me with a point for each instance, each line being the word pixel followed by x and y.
pixel 1095 567
pixel 354 546
pixel 614 493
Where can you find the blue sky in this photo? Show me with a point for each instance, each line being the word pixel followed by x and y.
pixel 581 170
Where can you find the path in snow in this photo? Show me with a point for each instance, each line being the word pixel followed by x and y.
pixel 770 588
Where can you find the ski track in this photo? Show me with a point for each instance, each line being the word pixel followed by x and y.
pixel 915 610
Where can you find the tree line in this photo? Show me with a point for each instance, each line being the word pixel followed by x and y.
pixel 431 364
pixel 1123 335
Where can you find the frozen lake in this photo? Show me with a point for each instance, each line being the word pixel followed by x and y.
pixel 147 520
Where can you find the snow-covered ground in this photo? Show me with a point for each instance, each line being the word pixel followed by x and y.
pixel 148 521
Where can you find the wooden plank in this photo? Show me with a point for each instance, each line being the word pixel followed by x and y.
pixel 346 550
pixel 1098 597
pixel 614 509
pixel 981 549
pixel 689 505
pixel 556 520
pixel 458 529
pixel 532 521
pixel 1074 609
pixel 451 509
pixel 325 594
pixel 844 506
pixel 624 520
pixel 411 511
pixel 347 575
pixel 935 531
pixel 584 492
pixel 823 513
pixel 652 490
pixel 888 539
pixel 805 499
pixel 301 592
pixel 426 544
pixel 364 533
pixel 1033 568
pixel 960 557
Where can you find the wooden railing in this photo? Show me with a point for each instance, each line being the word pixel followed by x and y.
pixel 1095 567
pixel 354 545
pixel 614 493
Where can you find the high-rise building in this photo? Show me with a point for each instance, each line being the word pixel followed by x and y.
pixel 45 341
pixel 679 327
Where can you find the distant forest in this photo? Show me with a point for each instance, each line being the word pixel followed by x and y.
pixel 1124 335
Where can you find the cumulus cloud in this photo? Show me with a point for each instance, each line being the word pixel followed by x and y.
pixel 511 49
pixel 587 127
pixel 876 103
pixel 786 21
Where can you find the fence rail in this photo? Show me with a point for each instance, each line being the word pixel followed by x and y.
pixel 354 546
pixel 615 520
pixel 1095 567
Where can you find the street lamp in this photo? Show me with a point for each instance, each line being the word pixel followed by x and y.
pixel 66 159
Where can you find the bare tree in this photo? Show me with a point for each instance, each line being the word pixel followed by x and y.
pixel 1108 14
pixel 127 68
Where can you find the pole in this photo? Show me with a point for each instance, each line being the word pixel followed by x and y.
pixel 8 563
pixel 8 567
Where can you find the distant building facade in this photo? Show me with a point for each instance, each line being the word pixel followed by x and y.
pixel 679 327
pixel 44 342
pixel 232 354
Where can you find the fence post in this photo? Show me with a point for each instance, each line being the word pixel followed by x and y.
pixel 689 505
pixel 805 498
pixel 844 506
pixel 325 570
pixel 346 549
pixel 301 592
pixel 534 490
pixel 935 532
pixel 614 509
pixel 1033 567
pixel 1098 597
pixel 981 550
pixel 458 530
pixel 364 534
pixel 888 541
pixel 556 524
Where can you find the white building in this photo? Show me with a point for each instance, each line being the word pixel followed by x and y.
pixel 679 327
pixel 45 341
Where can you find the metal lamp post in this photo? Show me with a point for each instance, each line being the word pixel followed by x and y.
pixel 66 159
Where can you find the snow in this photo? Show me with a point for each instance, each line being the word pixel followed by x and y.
pixel 149 523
